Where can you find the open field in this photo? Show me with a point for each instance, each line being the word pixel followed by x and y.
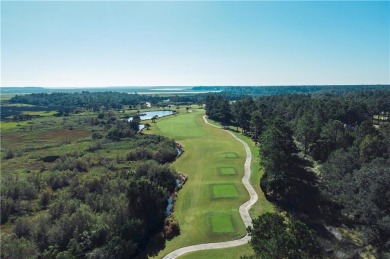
pixel 5 97
pixel 12 124
pixel 40 113
pixel 40 137
pixel 197 211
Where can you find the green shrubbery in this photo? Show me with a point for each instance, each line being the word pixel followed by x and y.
pixel 87 206
pixel 277 236
pixel 87 214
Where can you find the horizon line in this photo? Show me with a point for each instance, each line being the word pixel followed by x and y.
pixel 177 86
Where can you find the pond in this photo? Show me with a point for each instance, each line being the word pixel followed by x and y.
pixel 169 206
pixel 151 114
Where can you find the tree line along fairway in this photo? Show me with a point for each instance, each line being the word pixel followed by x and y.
pixel 213 162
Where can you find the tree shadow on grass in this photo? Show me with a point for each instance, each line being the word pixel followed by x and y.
pixel 154 246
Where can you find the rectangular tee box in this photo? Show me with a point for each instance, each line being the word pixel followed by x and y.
pixel 224 191
pixel 221 223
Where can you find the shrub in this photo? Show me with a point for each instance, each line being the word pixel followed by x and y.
pixel 171 228
pixel 13 247
pixel 71 163
pixel 9 154
pixel 96 135
pixel 7 206
pixel 45 198
pixel 22 227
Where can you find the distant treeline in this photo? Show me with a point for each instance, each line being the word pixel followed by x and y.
pixel 128 89
pixel 97 100
pixel 272 90
pixel 15 112
pixel 85 99
pixel 352 186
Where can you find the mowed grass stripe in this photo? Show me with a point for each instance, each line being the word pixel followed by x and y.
pixel 204 145
pixel 227 171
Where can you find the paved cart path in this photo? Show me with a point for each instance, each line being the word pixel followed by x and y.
pixel 244 209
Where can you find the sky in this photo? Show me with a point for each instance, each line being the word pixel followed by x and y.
pixel 123 43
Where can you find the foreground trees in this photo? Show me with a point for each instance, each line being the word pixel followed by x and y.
pixel 362 193
pixel 285 180
pixel 113 214
pixel 277 236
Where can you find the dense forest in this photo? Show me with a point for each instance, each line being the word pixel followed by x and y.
pixel 326 160
pixel 235 91
pixel 87 202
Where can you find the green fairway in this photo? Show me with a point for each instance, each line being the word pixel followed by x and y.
pixel 182 126
pixel 207 149
pixel 221 223
pixel 224 191
pixel 260 207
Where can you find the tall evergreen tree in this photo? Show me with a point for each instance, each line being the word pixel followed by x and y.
pixel 276 151
pixel 276 236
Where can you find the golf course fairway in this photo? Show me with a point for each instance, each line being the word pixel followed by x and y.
pixel 207 206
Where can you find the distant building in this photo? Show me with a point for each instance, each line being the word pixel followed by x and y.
pixel 145 105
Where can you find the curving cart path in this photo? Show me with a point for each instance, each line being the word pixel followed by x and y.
pixel 244 209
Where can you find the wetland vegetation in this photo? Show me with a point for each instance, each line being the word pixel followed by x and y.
pixel 84 183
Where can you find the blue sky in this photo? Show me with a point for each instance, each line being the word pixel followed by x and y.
pixel 96 43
